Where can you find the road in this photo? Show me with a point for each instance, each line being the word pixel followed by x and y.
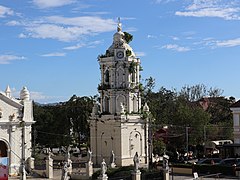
pixel 57 176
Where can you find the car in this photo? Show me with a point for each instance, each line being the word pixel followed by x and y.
pixel 230 162
pixel 209 161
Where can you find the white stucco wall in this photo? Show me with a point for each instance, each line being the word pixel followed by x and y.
pixel 13 112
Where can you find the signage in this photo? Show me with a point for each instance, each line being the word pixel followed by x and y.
pixel 3 168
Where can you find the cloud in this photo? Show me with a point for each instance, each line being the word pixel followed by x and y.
pixel 21 35
pixel 162 1
pixel 228 43
pixel 149 36
pixel 51 3
pixel 6 59
pixel 42 98
pixel 140 54
pixel 175 47
pixel 55 54
pixel 228 10
pixel 4 11
pixel 175 38
pixel 77 46
pixel 13 23
pixel 67 29
pixel 80 45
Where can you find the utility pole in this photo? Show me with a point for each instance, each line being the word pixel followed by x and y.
pixel 23 172
pixel 187 139
pixel 205 138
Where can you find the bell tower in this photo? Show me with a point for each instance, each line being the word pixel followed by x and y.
pixel 119 77
pixel 116 123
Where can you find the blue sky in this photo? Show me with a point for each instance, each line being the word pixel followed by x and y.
pixel 51 46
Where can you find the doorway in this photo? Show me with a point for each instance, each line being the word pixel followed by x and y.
pixel 3 149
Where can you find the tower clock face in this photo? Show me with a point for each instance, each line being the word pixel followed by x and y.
pixel 120 54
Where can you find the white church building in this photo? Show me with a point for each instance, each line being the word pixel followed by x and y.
pixel 15 114
pixel 117 123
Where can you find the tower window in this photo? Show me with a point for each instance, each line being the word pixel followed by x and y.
pixel 107 76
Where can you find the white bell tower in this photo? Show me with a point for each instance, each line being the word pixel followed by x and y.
pixel 116 124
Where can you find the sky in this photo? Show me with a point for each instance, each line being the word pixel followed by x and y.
pixel 51 46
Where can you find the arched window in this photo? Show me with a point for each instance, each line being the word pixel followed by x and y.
pixel 106 104
pixel 106 76
pixel 121 78
pixel 133 76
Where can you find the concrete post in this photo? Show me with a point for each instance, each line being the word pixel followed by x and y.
pixel 49 168
pixel 165 174
pixel 136 175
pixel 103 177
pixel 89 168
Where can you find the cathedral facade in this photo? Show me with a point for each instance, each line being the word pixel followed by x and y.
pixel 116 123
pixel 16 119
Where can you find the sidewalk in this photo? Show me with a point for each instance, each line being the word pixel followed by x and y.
pixel 56 176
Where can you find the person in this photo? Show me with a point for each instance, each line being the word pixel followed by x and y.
pixel 89 155
pixel 103 167
pixel 112 159
pixel 136 161
pixel 64 171
pixel 165 162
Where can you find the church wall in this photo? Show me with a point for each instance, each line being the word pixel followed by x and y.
pixel 134 141
pixel 11 117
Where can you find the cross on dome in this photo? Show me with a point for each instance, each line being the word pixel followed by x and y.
pixel 119 28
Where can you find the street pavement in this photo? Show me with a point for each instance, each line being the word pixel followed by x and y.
pixel 57 176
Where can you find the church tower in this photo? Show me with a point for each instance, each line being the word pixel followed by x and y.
pixel 116 124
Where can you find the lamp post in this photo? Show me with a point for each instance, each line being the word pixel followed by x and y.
pixel 23 172
pixel 148 136
pixel 187 141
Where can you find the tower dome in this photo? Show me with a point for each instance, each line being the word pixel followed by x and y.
pixel 119 41
pixel 24 94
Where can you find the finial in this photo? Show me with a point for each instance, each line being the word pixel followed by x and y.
pixel 119 28
pixel 8 91
pixel 24 94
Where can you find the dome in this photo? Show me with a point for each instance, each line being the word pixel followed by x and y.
pixel 119 41
pixel 24 94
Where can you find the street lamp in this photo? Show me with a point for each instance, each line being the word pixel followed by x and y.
pixel 23 172
pixel 187 141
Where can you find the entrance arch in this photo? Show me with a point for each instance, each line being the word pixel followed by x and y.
pixel 3 149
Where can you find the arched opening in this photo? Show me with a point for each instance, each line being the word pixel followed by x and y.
pixel 107 76
pixel 121 78
pixel 3 149
pixel 106 104
pixel 120 100
pixel 135 143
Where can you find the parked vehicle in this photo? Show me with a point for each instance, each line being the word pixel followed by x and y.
pixel 209 161
pixel 230 162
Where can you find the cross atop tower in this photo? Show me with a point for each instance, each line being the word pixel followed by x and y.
pixel 119 28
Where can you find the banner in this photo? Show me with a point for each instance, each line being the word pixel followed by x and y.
pixel 3 168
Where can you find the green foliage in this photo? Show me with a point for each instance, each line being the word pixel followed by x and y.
pixel 176 111
pixel 128 37
pixel 132 67
pixel 103 86
pixel 53 122
pixel 128 52
pixel 159 147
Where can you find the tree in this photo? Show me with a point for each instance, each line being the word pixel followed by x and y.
pixel 78 110
pixel 55 122
pixel 128 37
